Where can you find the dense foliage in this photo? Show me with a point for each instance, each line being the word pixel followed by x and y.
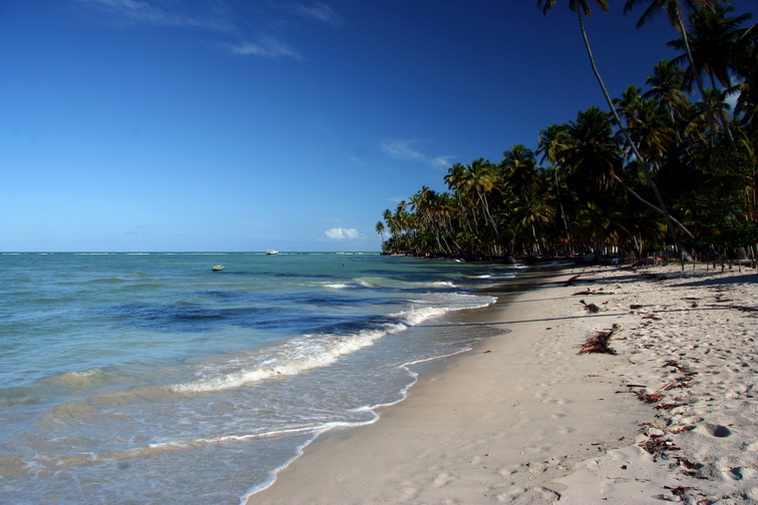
pixel 672 167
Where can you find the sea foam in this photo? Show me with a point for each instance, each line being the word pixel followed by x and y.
pixel 316 350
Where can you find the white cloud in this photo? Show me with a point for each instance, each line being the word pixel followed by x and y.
pixel 267 47
pixel 403 150
pixel 342 234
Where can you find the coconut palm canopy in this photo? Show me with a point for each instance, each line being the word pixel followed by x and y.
pixel 671 168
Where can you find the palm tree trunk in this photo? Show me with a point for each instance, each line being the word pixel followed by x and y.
pixel 648 204
pixel 698 79
pixel 563 214
pixel 643 164
pixel 536 246
pixel 486 208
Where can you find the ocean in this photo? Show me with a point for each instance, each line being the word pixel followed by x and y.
pixel 150 379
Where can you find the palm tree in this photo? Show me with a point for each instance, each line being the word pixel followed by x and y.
pixel 380 229
pixel 592 153
pixel 649 124
pixel 711 40
pixel 432 218
pixel 667 86
pixel 522 180
pixel 745 66
pixel 711 51
pixel 476 181
pixel 582 9
pixel 532 210
pixel 674 10
pixel 519 167
pixel 628 105
pixel 552 141
pixel 456 182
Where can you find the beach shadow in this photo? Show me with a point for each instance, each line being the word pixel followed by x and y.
pixel 521 321
pixel 600 315
pixel 737 279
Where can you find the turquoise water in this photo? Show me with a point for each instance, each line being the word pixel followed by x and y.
pixel 148 378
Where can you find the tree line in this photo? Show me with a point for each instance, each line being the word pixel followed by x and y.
pixel 669 168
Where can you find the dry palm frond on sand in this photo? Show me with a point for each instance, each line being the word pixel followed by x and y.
pixel 598 343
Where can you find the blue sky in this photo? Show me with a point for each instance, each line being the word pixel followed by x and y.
pixel 231 125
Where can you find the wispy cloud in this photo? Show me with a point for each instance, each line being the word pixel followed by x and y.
pixel 342 234
pixel 405 150
pixel 253 25
pixel 150 13
pixel 266 46
pixel 320 12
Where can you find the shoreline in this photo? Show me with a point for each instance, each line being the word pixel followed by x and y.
pixel 523 418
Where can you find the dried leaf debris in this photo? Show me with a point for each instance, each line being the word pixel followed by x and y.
pixel 598 343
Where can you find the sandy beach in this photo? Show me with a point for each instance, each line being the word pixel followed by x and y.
pixel 535 416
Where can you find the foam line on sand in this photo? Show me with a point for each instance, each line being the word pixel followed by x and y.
pixel 527 418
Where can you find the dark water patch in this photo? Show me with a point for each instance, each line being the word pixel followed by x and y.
pixel 193 318
pixel 323 299
pixel 227 296
pixel 186 317
pixel 356 325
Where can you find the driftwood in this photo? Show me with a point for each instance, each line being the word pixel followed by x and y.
pixel 572 280
pixel 599 342
pixel 590 292
pixel 590 307
pixel 743 308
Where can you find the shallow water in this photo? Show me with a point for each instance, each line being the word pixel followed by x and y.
pixel 149 378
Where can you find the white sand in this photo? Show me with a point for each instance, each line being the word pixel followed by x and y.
pixel 524 419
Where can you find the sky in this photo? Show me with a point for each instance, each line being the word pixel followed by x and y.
pixel 247 125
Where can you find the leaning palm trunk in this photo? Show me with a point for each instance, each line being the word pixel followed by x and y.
pixel 698 79
pixel 649 205
pixel 648 179
pixel 486 208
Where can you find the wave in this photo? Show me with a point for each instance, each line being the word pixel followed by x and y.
pixel 356 284
pixel 292 358
pixel 316 350
pixel 79 379
pixel 443 284
pixel 19 395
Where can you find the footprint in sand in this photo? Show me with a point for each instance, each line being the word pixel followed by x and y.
pixel 441 480
pixel 735 473
pixel 564 430
pixel 718 431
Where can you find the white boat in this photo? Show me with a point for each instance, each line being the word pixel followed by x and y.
pixel 217 268
pixel 271 252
